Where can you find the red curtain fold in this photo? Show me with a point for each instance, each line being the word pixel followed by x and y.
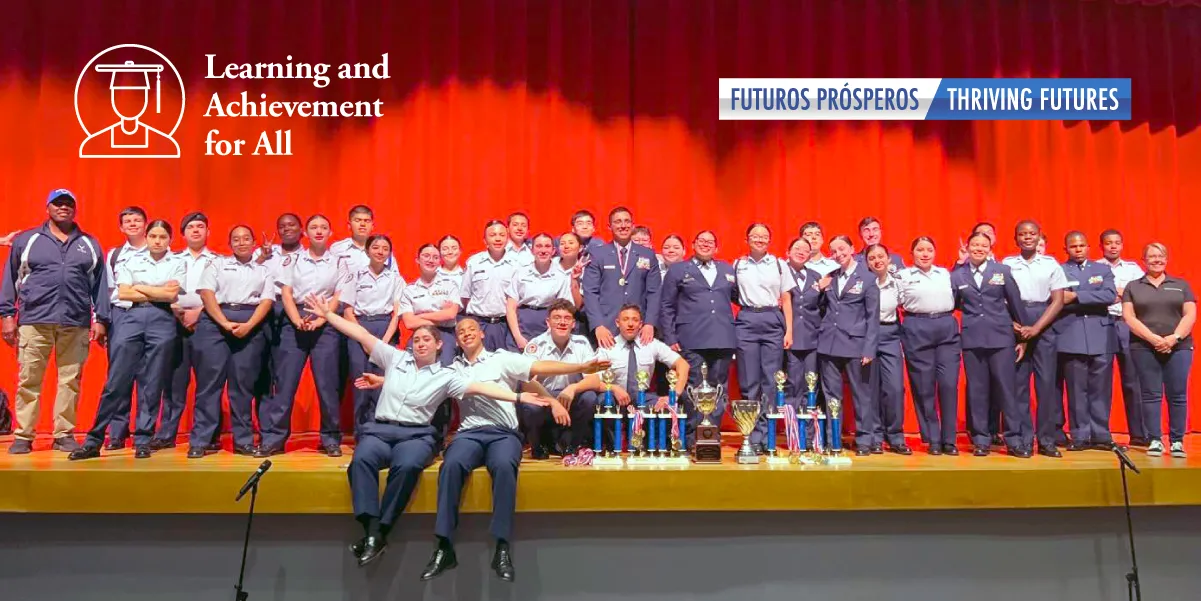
pixel 551 106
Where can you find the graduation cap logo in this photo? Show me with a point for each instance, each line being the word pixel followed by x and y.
pixel 138 122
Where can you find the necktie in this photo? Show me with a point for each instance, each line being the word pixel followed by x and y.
pixel 621 259
pixel 632 372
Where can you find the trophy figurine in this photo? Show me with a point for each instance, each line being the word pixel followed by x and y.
pixel 670 445
pixel 775 411
pixel 836 456
pixel 746 415
pixel 602 455
pixel 708 436
pixel 637 435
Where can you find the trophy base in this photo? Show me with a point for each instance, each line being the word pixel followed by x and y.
pixel 643 460
pixel 778 460
pixel 837 459
pixel 751 459
pixel 600 461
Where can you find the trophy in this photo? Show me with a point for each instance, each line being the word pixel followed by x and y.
pixel 708 436
pixel 671 447
pixel 836 456
pixel 746 415
pixel 637 412
pixel 605 411
pixel 777 412
pixel 814 416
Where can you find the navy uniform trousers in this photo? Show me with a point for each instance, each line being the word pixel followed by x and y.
pixel 1089 381
pixel 406 450
pixel 932 357
pixel 223 361
pixel 497 336
pixel 175 397
pixel 1042 362
pixel 760 355
pixel 265 382
pixel 499 450
pixel 324 347
pixel 142 352
pixel 889 385
pixel 531 322
pixel 1131 395
pixel 359 363
pixel 718 361
pixel 539 426
pixel 118 428
pixel 990 380
pixel 859 376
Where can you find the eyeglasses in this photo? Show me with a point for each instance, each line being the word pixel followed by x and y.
pixel 561 319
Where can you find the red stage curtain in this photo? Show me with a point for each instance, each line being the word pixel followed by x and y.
pixel 494 106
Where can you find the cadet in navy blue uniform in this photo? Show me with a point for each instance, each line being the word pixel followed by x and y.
pixel 432 300
pixel 990 302
pixel 930 338
pixel 1161 310
pixel 195 231
pixel 890 380
pixel 485 277
pixel 764 323
pixel 1124 272
pixel 532 290
pixel 53 285
pixel 871 234
pixel 672 252
pixel 618 274
pixel 566 425
pixel 304 339
pixel 132 221
pixel 488 436
pixel 147 337
pixel 849 338
pixel 1040 281
pixel 228 345
pixel 697 317
pixel 801 357
pixel 572 260
pixel 583 225
pixel 1086 342
pixel 372 301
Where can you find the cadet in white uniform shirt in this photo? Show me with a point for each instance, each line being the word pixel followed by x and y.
pixel 195 231
pixel 488 436
pixel 519 244
pixel 372 301
pixel 1041 282
pixel 228 345
pixel 485 278
pixel 143 347
pixel 273 256
pixel 531 291
pixel 432 299
pixel 353 250
pixel 133 225
pixel 813 234
pixel 1124 272
pixel 547 427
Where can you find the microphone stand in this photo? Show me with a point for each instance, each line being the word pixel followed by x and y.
pixel 241 595
pixel 1133 590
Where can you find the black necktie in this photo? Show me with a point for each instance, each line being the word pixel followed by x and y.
pixel 621 260
pixel 632 372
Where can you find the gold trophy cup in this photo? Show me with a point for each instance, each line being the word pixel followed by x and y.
pixel 746 415
pixel 708 436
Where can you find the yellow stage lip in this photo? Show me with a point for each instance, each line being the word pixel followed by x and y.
pixel 304 482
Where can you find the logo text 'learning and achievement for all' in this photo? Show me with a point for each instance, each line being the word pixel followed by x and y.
pixel 145 108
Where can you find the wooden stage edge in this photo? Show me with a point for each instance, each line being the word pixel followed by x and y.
pixel 305 482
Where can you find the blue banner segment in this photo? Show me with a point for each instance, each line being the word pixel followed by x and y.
pixel 1016 99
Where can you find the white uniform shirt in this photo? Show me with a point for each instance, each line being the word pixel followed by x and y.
pixel 708 270
pixel 422 297
pixel 1037 277
pixel 646 354
pixel 307 274
pixel 275 265
pixel 484 282
pixel 577 350
pixel 530 288
pixel 498 367
pixel 1124 272
pixel 110 269
pixel 822 265
pixel 760 283
pixel 890 298
pixel 523 255
pixel 144 270
pixel 844 276
pixel 188 298
pixel 455 275
pixel 925 291
pixel 237 283
pixel 372 294
pixel 356 258
pixel 411 395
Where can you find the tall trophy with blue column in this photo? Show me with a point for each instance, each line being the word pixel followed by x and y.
pixel 673 425
pixel 777 411
pixel 607 418
pixel 835 456
pixel 814 416
pixel 641 424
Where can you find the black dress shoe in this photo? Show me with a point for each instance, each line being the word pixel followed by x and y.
pixel 1136 441
pixel 1103 446
pixel 950 449
pixel 196 452
pixel 158 444
pixel 1049 451
pixel 115 445
pixel 502 562
pixel 442 560
pixel 900 449
pixel 760 449
pixel 372 548
pixel 1077 446
pixel 1019 452
pixel 539 452
pixel 142 452
pixel 934 450
pixel 980 451
pixel 262 452
pixel 84 452
pixel 863 451
pixel 246 450
pixel 877 449
pixel 215 447
pixel 332 450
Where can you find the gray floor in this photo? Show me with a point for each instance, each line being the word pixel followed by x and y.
pixel 879 556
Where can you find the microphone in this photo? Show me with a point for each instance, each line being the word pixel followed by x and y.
pixel 254 479
pixel 1125 459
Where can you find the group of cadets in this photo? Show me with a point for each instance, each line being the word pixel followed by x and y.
pixel 537 314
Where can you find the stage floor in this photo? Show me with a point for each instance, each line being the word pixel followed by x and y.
pixel 304 481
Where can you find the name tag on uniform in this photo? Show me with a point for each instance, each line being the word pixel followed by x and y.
pixel 687 278
pixel 1174 289
pixel 1096 279
pixel 1073 284
pixel 962 286
pixel 997 279
pixel 609 267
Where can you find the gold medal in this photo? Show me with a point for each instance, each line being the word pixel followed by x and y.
pixel 621 281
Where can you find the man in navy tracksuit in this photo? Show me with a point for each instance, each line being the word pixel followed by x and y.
pixel 53 285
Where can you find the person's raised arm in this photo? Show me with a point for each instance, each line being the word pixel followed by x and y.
pixel 559 368
pixel 327 309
